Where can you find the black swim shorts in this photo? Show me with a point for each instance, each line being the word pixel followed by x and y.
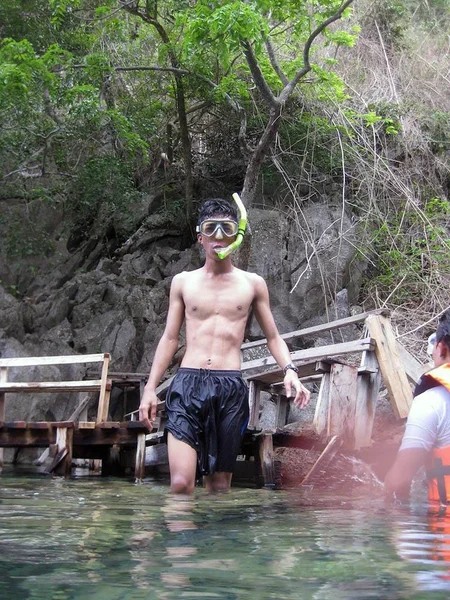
pixel 209 411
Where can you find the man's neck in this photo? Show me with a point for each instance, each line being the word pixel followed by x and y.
pixel 214 267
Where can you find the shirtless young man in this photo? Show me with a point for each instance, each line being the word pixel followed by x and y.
pixel 207 403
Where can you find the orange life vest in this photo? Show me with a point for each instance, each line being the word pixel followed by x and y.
pixel 438 473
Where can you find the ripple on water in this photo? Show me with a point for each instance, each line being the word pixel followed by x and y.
pixel 106 539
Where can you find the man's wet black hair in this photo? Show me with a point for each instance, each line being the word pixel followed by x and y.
pixel 217 207
pixel 443 330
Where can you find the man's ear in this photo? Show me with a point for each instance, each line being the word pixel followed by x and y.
pixel 199 238
pixel 443 351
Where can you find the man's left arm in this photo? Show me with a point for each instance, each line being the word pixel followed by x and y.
pixel 418 440
pixel 277 346
pixel 408 461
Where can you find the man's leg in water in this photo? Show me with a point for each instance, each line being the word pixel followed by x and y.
pixel 218 482
pixel 182 465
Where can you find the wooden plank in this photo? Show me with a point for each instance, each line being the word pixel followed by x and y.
pixel 103 401
pixel 293 335
pixel 16 425
pixel 312 354
pixel 413 368
pixel 66 424
pixel 30 361
pixel 254 395
pixel 266 459
pixel 342 408
pixel 320 421
pixel 391 366
pixel 305 370
pixel 139 469
pixel 86 425
pixel 38 425
pixel 51 386
pixel 30 438
pixel 369 381
pixel 3 379
pixel 109 425
pixel 330 450
pixel 136 426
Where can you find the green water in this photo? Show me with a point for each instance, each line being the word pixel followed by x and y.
pixel 108 539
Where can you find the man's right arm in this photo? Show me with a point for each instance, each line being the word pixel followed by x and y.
pixel 167 346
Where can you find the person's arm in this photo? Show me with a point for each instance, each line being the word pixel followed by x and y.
pixel 420 436
pixel 398 480
pixel 167 346
pixel 277 346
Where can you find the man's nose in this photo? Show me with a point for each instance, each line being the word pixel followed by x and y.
pixel 219 234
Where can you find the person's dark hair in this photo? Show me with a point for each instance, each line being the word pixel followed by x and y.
pixel 217 207
pixel 443 330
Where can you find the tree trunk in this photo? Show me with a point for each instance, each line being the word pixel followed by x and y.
pixel 252 176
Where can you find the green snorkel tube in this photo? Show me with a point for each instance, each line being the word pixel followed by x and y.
pixel 242 226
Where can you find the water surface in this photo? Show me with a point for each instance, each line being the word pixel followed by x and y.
pixel 108 539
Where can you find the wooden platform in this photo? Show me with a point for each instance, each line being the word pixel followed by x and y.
pixel 343 416
pixel 68 440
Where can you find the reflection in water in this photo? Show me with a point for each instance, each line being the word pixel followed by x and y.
pixel 100 539
pixel 426 542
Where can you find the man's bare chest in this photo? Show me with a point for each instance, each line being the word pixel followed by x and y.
pixel 207 300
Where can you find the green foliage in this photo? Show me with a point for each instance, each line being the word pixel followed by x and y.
pixel 437 128
pixel 102 195
pixel 412 248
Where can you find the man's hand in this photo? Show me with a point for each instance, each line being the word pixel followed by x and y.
pixel 147 408
pixel 294 387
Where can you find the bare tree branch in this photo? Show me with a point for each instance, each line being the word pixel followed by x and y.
pixel 258 76
pixel 273 61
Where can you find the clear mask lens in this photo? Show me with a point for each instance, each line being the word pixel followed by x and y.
pixel 431 343
pixel 210 228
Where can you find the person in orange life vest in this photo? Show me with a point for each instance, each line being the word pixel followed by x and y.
pixel 426 441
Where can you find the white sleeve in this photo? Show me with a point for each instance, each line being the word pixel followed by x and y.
pixel 422 425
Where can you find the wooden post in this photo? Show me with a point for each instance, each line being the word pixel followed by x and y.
pixel 282 412
pixel 254 395
pixel 62 462
pixel 342 405
pixel 105 391
pixel 266 459
pixel 3 378
pixel 369 380
pixel 139 469
pixel 320 422
pixel 391 366
pixel 80 413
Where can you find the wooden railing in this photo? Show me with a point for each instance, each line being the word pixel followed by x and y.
pixel 101 385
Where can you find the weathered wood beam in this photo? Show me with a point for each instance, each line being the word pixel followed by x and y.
pixel 311 354
pixel 293 335
pixel 29 361
pixel 391 366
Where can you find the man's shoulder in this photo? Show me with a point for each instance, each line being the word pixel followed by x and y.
pixel 249 276
pixel 433 397
pixel 186 275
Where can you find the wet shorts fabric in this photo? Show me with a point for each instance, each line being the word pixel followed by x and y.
pixel 209 411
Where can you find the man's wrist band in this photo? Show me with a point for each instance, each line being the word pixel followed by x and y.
pixel 291 367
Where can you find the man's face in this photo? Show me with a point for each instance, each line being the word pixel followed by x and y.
pixel 217 232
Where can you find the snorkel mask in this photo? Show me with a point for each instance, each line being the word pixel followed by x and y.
pixel 431 343
pixel 242 225
pixel 227 227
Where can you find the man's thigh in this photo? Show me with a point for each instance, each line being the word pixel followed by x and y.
pixel 182 458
